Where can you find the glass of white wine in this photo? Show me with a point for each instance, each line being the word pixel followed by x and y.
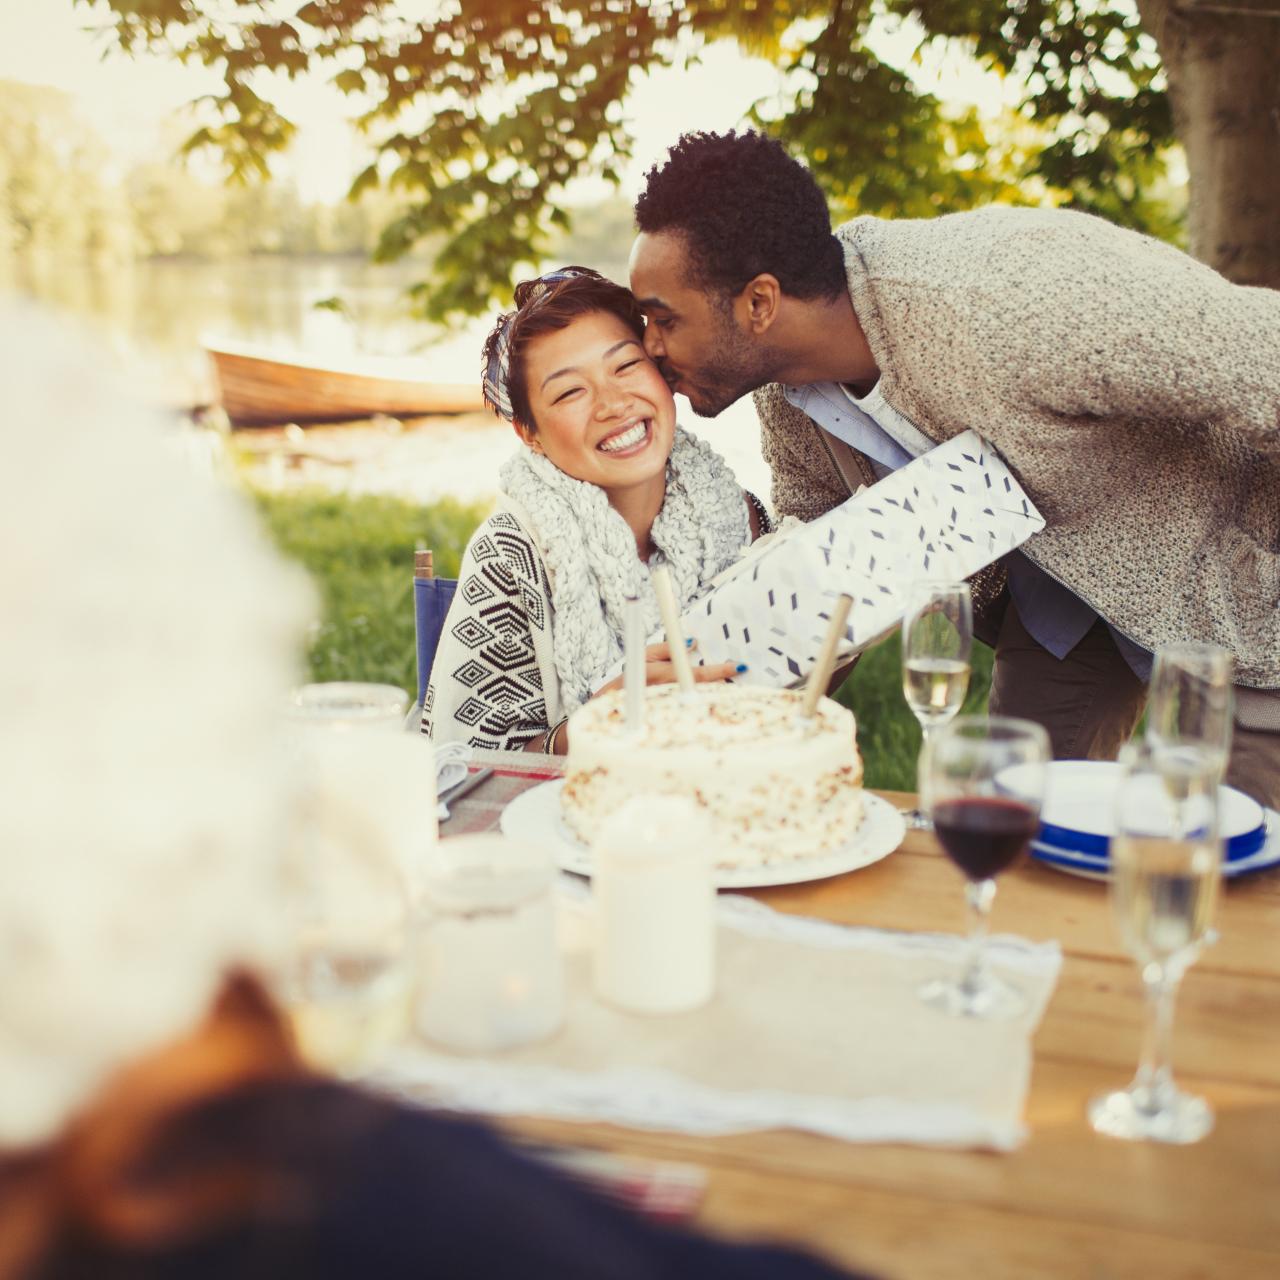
pixel 1166 867
pixel 937 637
pixel 1189 713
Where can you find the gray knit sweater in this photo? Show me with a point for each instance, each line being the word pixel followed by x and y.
pixel 1134 392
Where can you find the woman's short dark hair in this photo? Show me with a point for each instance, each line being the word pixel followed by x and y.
pixel 744 206
pixel 542 308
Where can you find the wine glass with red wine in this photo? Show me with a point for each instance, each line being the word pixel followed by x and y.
pixel 983 780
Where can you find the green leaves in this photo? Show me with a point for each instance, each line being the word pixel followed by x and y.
pixel 252 129
pixel 877 143
pixel 486 113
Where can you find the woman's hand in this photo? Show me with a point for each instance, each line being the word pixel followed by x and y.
pixel 659 669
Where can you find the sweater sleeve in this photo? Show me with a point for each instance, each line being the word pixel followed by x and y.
pixel 806 482
pixel 486 686
pixel 1131 327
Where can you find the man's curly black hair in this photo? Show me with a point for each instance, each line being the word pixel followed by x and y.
pixel 744 207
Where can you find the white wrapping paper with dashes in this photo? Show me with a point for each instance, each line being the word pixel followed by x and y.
pixel 947 514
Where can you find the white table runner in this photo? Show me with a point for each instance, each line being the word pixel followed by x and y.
pixel 813 1026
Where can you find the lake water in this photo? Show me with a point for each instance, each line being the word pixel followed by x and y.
pixel 154 315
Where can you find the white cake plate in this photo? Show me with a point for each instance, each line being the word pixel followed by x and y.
pixel 535 814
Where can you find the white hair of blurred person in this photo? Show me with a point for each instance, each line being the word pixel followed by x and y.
pixel 149 638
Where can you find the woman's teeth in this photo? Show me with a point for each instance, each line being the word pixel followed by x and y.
pixel 625 439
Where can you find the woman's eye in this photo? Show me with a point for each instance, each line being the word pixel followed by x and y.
pixel 564 395
pixel 630 364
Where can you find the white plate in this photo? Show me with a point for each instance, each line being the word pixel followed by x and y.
pixel 535 814
pixel 1080 800
pixel 1090 868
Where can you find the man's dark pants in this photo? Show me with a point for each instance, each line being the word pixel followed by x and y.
pixel 1090 702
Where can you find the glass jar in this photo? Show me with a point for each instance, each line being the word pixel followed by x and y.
pixel 490 972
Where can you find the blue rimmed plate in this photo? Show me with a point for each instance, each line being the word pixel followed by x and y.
pixel 1093 867
pixel 1077 818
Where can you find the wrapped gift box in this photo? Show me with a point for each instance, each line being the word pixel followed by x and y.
pixel 945 515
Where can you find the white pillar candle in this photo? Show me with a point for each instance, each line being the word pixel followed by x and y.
pixel 655 906
pixel 490 969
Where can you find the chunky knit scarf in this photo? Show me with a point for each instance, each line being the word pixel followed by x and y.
pixel 590 551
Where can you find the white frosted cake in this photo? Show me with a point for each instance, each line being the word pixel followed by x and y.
pixel 775 790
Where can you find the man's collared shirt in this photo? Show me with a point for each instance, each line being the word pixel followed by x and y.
pixel 1055 616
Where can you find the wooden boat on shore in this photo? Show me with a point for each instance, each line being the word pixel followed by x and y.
pixel 260 388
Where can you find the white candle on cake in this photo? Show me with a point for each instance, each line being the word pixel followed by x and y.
pixel 820 676
pixel 655 906
pixel 670 610
pixel 634 658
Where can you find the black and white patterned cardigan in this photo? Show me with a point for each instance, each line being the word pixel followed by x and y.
pixel 493 683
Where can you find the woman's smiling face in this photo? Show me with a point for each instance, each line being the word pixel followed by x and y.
pixel 603 412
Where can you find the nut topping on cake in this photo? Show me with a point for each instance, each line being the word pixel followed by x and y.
pixel 774 791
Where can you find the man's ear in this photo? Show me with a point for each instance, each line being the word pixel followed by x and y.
pixel 759 302
pixel 528 436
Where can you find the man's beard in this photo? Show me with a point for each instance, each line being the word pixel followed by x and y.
pixel 734 369
pixel 710 400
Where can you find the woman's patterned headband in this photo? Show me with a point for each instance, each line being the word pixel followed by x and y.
pixel 497 377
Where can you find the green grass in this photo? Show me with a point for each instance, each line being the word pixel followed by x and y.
pixel 888 734
pixel 360 553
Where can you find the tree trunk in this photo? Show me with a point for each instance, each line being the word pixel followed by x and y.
pixel 1222 60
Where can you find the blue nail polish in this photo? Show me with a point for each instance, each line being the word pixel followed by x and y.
pixel 740 668
pixel 688 642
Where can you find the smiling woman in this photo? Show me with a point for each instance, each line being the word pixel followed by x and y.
pixel 605 486
pixel 603 414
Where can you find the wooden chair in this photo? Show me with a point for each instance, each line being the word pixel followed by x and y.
pixel 431 599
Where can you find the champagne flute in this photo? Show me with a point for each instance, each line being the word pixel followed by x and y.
pixel 1189 714
pixel 937 636
pixel 1166 866
pixel 983 785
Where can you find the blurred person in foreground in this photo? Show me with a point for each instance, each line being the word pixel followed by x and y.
pixel 1133 391
pixel 603 485
pixel 154 1117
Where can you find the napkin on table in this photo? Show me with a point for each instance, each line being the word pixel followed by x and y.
pixel 452 759
pixel 814 1025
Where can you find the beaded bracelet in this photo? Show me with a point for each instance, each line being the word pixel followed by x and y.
pixel 762 512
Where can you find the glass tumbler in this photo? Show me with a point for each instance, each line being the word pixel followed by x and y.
pixel 363 809
pixel 490 972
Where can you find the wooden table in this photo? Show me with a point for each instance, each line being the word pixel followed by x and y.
pixel 1069 1203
